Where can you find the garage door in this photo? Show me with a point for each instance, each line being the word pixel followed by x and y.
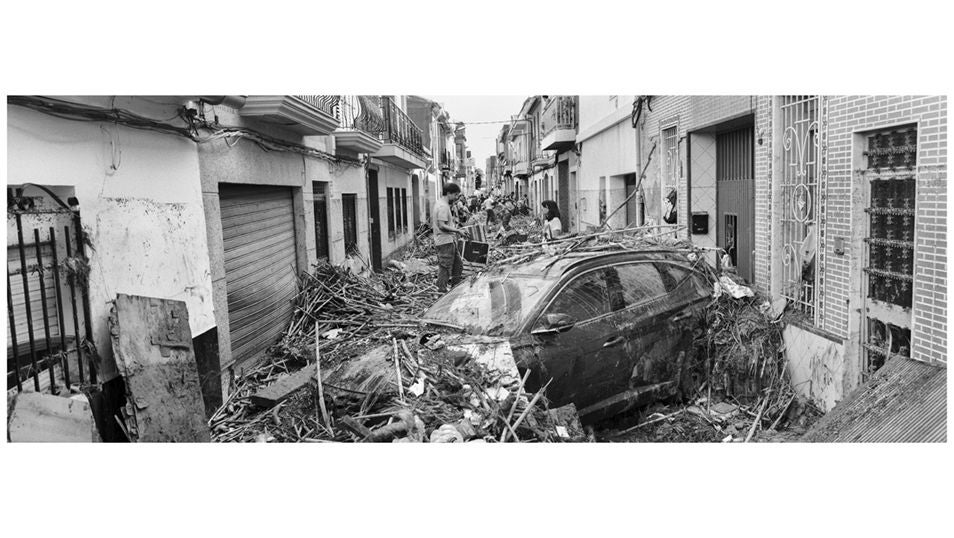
pixel 258 230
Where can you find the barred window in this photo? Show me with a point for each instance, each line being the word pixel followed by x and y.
pixel 799 197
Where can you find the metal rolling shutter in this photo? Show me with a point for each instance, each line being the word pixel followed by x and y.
pixel 258 231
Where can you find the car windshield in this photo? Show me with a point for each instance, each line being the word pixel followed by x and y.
pixel 493 305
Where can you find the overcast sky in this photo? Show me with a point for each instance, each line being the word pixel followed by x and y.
pixel 481 108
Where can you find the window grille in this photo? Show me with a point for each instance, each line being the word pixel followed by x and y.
pixel 799 197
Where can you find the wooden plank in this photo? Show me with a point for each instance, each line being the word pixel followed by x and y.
pixel 44 418
pixel 284 387
pixel 152 343
pixel 371 371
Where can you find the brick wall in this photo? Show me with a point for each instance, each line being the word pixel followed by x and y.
pixel 688 113
pixel 763 192
pixel 847 117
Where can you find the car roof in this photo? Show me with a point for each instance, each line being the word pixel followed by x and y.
pixel 555 266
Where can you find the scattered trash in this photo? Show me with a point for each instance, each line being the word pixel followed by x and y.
pixel 446 434
pixel 737 291
pixel 333 334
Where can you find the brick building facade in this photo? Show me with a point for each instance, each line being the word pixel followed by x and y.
pixel 858 185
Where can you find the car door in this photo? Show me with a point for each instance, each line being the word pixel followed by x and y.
pixel 577 359
pixel 688 292
pixel 652 339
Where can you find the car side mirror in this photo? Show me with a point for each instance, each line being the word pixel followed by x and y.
pixel 554 323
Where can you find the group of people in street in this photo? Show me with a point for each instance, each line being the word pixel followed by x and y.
pixel 453 211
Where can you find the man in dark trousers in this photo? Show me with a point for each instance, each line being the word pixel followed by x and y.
pixel 449 264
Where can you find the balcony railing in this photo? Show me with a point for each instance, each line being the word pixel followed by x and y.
pixel 559 113
pixel 325 103
pixel 306 114
pixel 399 129
pixel 358 112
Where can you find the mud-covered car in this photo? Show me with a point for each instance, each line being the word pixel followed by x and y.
pixel 609 331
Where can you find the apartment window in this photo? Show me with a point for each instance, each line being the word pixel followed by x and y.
pixel 404 210
pixel 391 227
pixel 799 200
pixel 321 219
pixel 889 172
pixel 349 212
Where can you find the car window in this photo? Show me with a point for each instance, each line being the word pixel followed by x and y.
pixel 641 282
pixel 673 276
pixel 494 305
pixel 584 298
pixel 683 279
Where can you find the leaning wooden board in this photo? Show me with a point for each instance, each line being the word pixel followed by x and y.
pixel 152 344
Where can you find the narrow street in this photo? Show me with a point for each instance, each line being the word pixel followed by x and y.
pixel 616 269
pixel 473 309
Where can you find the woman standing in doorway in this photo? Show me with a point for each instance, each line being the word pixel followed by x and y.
pixel 552 226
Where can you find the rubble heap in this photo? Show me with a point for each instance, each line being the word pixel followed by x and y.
pixel 384 375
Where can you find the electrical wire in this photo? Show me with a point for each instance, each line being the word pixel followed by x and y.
pixel 78 112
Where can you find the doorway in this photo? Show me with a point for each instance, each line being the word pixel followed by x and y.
pixel 374 217
pixel 563 190
pixel 735 192
pixel 632 205
pixel 416 200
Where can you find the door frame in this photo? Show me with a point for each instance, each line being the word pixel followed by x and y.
pixel 374 219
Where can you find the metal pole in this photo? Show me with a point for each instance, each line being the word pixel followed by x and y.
pixel 26 297
pixel 45 308
pixel 13 334
pixel 59 309
pixel 76 330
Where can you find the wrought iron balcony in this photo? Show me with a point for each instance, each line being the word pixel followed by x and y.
pixel 360 123
pixel 558 123
pixel 446 162
pixel 305 114
pixel 403 140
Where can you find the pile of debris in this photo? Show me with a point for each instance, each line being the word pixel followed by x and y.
pixel 341 303
pixel 381 375
pixel 738 379
pixel 634 238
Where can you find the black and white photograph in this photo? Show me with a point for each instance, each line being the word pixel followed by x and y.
pixel 351 268
pixel 724 280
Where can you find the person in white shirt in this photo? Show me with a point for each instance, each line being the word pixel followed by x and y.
pixel 489 204
pixel 552 226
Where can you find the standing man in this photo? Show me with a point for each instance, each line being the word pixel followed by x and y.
pixel 489 204
pixel 449 264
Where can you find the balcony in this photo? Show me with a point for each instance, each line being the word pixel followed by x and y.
pixel 558 123
pixel 446 162
pixel 521 168
pixel 360 124
pixel 403 141
pixel 304 114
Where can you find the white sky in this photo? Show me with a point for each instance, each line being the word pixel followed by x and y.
pixel 477 108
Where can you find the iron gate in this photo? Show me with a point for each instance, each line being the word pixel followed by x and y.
pixel 47 296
